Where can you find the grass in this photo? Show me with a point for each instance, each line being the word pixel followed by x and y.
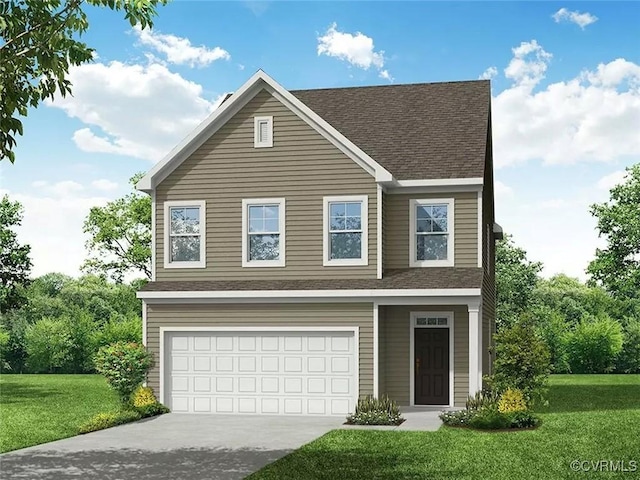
pixel 590 418
pixel 36 409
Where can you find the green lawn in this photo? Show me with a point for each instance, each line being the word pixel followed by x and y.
pixel 36 409
pixel 590 418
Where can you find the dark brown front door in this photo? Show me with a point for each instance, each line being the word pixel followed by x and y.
pixel 431 366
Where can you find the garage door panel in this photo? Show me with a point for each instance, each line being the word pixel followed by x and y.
pixel 261 372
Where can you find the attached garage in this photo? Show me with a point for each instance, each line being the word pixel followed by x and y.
pixel 253 370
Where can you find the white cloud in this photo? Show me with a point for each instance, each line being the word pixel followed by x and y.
pixel 356 49
pixel 134 110
pixel 488 74
pixel 64 189
pixel 502 191
pixel 592 117
pixel 178 50
pixel 580 19
pixel 609 181
pixel 104 185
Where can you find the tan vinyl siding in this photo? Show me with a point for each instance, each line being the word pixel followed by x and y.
pixel 396 211
pixel 302 166
pixel 261 315
pixel 397 338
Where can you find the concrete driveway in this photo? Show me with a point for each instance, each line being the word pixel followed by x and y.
pixel 172 447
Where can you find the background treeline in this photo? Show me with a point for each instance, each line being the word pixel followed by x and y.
pixel 62 321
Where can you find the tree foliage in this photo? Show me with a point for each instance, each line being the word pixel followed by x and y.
pixel 15 263
pixel 120 236
pixel 40 42
pixel 594 345
pixel 516 278
pixel 617 267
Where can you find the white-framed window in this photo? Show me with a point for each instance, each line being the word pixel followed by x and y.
pixel 263 232
pixel 431 233
pixel 345 226
pixel 263 132
pixel 184 239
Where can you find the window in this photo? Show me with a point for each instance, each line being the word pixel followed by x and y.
pixel 263 238
pixel 184 245
pixel 263 132
pixel 345 231
pixel 431 233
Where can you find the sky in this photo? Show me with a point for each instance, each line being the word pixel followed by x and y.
pixel 565 81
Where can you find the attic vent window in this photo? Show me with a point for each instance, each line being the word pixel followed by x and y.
pixel 263 132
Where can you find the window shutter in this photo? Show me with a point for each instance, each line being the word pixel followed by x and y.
pixel 263 132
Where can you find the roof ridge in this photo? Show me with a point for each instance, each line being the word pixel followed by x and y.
pixel 416 84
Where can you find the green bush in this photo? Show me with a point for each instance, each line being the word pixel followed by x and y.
pixel 80 328
pixel 107 420
pixel 376 411
pixel 490 419
pixel 594 345
pixel 48 345
pixel 628 360
pixel 482 399
pixel 554 331
pixel 4 344
pixel 522 361
pixel 119 329
pixel 524 420
pixel 151 410
pixel 124 365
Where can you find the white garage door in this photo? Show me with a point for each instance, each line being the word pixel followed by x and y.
pixel 272 373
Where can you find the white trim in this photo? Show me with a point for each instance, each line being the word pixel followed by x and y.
pixel 153 236
pixel 256 132
pixel 354 329
pixel 480 243
pixel 224 112
pixel 364 245
pixel 144 323
pixel 474 347
pixel 480 347
pixel 449 262
pixel 438 189
pixel 201 204
pixel 439 182
pixel 328 294
pixel 379 195
pixel 412 352
pixel 376 351
pixel 246 202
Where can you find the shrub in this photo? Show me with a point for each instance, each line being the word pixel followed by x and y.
pixel 376 411
pixel 554 331
pixel 594 345
pixel 628 360
pixel 522 361
pixel 107 420
pixel 80 328
pixel 490 419
pixel 124 365
pixel 119 329
pixel 458 418
pixel 48 345
pixel 4 344
pixel 524 420
pixel 143 396
pixel 482 399
pixel 151 410
pixel 511 401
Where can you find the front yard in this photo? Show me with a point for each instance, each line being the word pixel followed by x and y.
pixel 590 418
pixel 36 409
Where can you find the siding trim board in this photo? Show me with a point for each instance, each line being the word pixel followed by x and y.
pixel 236 295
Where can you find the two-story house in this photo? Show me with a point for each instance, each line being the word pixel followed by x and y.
pixel 314 246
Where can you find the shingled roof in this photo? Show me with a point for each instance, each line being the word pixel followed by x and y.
pixel 439 277
pixel 416 131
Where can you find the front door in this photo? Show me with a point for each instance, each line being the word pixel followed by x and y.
pixel 431 366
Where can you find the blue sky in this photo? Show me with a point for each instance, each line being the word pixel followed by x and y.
pixel 565 86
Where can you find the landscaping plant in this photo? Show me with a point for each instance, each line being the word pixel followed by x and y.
pixel 376 411
pixel 594 345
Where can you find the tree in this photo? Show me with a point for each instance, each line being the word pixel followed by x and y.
pixel 594 345
pixel 120 236
pixel 15 263
pixel 617 267
pixel 48 345
pixel 516 278
pixel 39 44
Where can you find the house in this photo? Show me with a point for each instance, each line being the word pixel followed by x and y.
pixel 314 246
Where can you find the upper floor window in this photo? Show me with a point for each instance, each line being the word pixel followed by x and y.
pixel 345 230
pixel 431 233
pixel 263 237
pixel 184 245
pixel 263 132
